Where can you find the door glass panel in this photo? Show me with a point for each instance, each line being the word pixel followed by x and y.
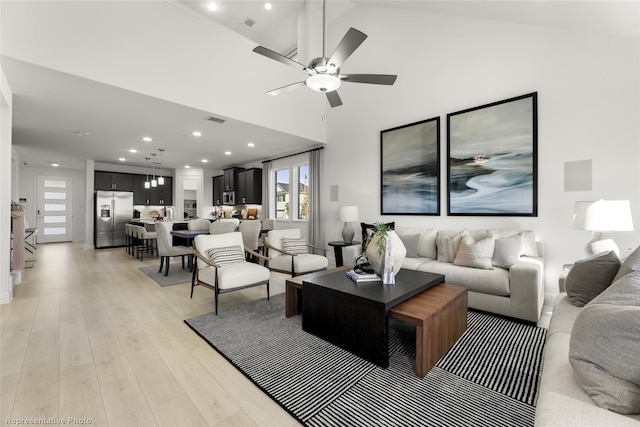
pixel 55 196
pixel 50 207
pixel 54 219
pixel 55 230
pixel 55 183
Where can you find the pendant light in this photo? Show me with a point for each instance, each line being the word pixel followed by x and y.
pixel 147 184
pixel 161 178
pixel 154 181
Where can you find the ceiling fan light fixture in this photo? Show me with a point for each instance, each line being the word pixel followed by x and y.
pixel 323 82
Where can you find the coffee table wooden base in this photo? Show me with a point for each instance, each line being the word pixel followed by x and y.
pixel 440 317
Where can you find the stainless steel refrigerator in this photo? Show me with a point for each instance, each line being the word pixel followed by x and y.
pixel 113 210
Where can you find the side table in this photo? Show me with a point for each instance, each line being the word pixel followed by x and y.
pixel 337 250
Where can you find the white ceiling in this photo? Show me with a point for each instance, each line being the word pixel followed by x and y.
pixel 45 115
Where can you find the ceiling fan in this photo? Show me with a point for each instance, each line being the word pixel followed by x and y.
pixel 324 72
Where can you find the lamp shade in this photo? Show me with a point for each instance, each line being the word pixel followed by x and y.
pixel 349 214
pixel 603 215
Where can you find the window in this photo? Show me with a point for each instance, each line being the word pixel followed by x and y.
pixel 282 194
pixel 303 192
pixel 291 193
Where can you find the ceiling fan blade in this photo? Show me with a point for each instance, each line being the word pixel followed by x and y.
pixel 280 58
pixel 286 88
pixel 374 79
pixel 334 99
pixel 347 46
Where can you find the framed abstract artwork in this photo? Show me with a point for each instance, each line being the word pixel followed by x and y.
pixel 410 163
pixel 492 159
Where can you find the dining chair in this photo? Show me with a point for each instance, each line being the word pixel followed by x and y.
pixel 234 221
pixel 219 227
pixel 251 230
pixel 166 250
pixel 221 265
pixel 288 252
pixel 198 224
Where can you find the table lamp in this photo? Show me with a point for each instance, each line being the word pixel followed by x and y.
pixel 601 217
pixel 348 214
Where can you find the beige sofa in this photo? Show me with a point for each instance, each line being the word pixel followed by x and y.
pixel 517 291
pixel 561 399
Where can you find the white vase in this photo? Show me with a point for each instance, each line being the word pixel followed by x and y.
pixel 376 259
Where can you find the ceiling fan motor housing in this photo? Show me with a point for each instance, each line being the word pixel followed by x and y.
pixel 323 77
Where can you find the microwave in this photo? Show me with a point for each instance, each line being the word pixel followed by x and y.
pixel 229 198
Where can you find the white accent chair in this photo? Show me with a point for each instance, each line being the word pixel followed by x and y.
pixel 166 250
pixel 198 224
pixel 221 227
pixel 230 271
pixel 294 264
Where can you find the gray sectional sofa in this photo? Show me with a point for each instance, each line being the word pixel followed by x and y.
pixel 583 388
pixel 509 283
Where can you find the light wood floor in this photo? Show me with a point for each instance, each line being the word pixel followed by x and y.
pixel 89 336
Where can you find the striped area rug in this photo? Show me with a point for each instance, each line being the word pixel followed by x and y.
pixel 489 377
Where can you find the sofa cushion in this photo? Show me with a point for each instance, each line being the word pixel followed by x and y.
pixel 529 246
pixel 590 276
pixel 475 254
pixel 448 246
pixel 564 315
pixel 491 282
pixel 410 242
pixel 427 241
pixel 605 344
pixel 630 264
pixel 507 250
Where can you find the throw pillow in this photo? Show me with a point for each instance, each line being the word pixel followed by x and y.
pixel 447 247
pixel 507 251
pixel 529 245
pixel 589 277
pixel 410 243
pixel 605 344
pixel 630 264
pixel 294 246
pixel 225 255
pixel 475 254
pixel 368 230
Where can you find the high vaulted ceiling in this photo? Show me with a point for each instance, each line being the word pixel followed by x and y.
pixel 51 106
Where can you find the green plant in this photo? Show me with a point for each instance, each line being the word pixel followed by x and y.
pixel 382 230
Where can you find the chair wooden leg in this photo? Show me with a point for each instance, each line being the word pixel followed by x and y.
pixel 182 262
pixel 161 263
pixel 267 291
pixel 216 293
pixel 166 269
pixel 193 281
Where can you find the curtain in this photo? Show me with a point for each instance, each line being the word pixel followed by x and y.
pixel 266 173
pixel 315 179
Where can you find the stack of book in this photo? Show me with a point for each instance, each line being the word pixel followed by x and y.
pixel 362 277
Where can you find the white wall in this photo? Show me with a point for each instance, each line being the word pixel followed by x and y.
pixel 588 108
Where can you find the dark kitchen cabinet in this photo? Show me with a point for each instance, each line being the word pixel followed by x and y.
pixel 160 195
pixel 231 178
pixel 249 188
pixel 218 188
pixel 113 181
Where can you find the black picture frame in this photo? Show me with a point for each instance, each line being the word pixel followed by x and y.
pixel 492 159
pixel 410 169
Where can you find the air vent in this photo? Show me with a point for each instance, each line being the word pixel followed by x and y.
pixel 249 22
pixel 215 119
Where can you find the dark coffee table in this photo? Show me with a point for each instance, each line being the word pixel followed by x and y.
pixel 355 316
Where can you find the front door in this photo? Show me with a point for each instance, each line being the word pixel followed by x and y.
pixel 54 208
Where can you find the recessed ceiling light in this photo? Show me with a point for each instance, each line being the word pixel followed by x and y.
pixel 122 159
pixel 133 150
pixel 55 165
pixel 228 153
pixel 81 133
pixel 204 160
pixel 268 6
pixel 212 6
pixel 187 166
pixel 196 133
pixel 251 144
pixel 147 139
